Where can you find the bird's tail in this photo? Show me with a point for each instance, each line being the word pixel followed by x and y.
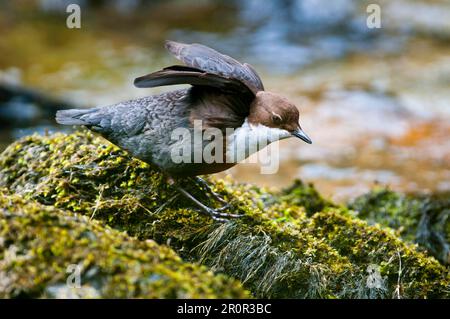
pixel 77 117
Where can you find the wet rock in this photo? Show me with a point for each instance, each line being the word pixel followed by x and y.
pixel 24 111
pixel 423 219
pixel 292 244
pixel 22 107
pixel 42 248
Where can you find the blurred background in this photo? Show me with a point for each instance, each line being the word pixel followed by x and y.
pixel 376 102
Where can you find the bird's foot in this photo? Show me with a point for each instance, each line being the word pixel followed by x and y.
pixel 224 207
pixel 204 184
pixel 216 214
pixel 219 216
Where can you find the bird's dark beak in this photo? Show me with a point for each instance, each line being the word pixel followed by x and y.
pixel 302 135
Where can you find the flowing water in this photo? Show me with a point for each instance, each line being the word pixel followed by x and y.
pixel 376 102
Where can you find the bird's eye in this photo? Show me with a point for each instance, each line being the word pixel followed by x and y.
pixel 276 119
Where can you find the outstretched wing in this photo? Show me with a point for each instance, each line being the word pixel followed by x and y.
pixel 223 88
pixel 178 74
pixel 206 59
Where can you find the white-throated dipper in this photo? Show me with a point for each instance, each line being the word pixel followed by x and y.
pixel 226 97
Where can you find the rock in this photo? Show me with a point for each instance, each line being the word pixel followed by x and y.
pixel 423 219
pixel 24 107
pixel 292 244
pixel 41 246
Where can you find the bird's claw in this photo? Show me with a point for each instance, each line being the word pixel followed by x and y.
pixel 215 196
pixel 219 216
pixel 215 212
pixel 224 207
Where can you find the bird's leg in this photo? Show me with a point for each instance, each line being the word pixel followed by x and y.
pixel 215 214
pixel 203 184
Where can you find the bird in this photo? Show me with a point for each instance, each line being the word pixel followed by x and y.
pixel 223 95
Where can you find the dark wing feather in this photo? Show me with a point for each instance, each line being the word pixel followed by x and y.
pixel 178 74
pixel 223 88
pixel 204 58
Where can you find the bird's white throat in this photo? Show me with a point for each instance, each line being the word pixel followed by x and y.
pixel 250 138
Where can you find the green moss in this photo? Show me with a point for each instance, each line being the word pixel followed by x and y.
pixel 38 244
pixel 407 272
pixel 278 249
pixel 305 195
pixel 423 219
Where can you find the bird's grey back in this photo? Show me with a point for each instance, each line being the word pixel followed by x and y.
pixel 140 125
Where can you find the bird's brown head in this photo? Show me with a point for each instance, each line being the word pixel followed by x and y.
pixel 274 111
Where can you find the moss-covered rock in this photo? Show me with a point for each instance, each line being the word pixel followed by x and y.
pixel 305 195
pixel 423 219
pixel 42 246
pixel 292 244
pixel 405 272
